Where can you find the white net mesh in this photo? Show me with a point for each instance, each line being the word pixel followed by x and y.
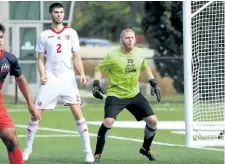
pixel 208 64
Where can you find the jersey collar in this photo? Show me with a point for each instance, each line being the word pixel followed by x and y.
pixel 58 32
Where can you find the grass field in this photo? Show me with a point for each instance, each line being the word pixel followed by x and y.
pixel 57 141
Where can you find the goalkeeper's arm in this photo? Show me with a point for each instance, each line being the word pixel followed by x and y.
pixel 97 75
pixel 97 90
pixel 148 73
pixel 154 86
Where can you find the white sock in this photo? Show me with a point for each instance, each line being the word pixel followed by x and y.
pixel 82 128
pixel 32 128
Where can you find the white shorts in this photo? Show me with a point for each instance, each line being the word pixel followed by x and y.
pixel 48 94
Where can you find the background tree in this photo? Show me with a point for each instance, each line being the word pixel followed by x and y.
pixel 162 27
pixel 107 19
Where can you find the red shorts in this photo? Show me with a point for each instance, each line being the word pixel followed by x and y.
pixel 5 119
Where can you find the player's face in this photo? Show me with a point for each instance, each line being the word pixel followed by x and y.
pixel 128 40
pixel 57 15
pixel 1 39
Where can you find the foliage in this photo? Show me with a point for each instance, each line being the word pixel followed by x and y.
pixel 162 26
pixel 107 19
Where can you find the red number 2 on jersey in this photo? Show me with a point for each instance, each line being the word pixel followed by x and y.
pixel 59 48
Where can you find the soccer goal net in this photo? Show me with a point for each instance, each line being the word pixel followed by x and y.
pixel 204 55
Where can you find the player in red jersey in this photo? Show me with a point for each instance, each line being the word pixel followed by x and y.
pixel 9 65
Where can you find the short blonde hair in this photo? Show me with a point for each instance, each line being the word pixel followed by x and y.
pixel 124 31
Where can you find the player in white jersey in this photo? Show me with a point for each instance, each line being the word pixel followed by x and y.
pixel 60 45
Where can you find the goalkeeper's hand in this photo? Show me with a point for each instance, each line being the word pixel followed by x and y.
pixel 97 90
pixel 155 90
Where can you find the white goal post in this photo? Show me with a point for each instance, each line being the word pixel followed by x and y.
pixel 204 72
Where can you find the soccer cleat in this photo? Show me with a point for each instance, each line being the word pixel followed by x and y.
pixel 148 154
pixel 26 154
pixel 97 158
pixel 89 157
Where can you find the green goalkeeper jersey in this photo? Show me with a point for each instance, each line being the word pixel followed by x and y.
pixel 123 72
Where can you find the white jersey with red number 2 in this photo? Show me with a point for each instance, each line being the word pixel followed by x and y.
pixel 58 48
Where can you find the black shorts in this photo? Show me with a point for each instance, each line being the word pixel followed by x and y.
pixel 138 106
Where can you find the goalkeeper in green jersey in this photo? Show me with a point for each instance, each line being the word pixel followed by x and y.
pixel 123 66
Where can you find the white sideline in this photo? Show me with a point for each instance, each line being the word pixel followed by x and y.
pixel 11 110
pixel 50 135
pixel 115 137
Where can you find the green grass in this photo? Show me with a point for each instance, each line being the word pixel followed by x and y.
pixel 68 150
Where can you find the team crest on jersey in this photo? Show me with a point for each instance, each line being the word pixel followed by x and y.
pixel 5 67
pixel 59 38
pixel 67 37
pixel 51 36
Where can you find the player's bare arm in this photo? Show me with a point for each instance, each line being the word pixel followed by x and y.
pixel 41 67
pixel 148 73
pixel 154 86
pixel 77 62
pixel 97 75
pixel 23 86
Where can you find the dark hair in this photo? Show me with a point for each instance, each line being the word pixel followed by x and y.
pixel 2 28
pixel 55 5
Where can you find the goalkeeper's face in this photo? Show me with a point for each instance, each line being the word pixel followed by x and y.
pixel 128 40
pixel 57 15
